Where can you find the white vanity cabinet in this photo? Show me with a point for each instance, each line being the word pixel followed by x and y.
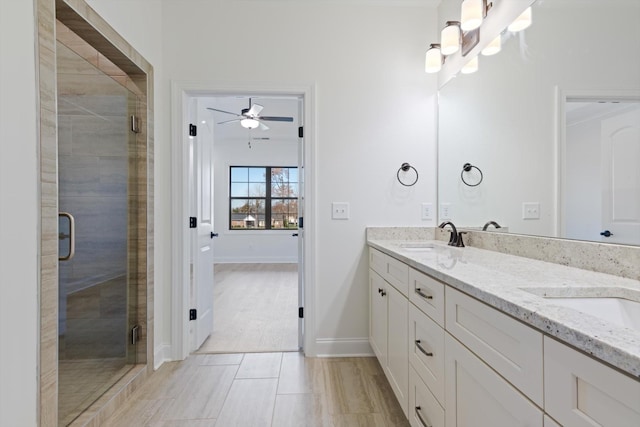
pixel 454 361
pixel 582 392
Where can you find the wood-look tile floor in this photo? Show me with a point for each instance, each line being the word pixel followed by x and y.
pixel 255 309
pixel 263 390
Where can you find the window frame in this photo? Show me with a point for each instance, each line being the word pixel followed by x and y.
pixel 268 197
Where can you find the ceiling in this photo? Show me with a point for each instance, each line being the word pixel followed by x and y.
pixel 273 106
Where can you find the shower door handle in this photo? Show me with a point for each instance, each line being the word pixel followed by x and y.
pixel 71 236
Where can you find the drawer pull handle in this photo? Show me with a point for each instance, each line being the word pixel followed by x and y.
pixel 419 415
pixel 422 294
pixel 425 352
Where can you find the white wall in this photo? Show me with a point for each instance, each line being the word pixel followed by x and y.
pixel 19 216
pixel 375 110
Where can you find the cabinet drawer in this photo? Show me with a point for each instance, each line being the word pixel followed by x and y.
pixel 377 261
pixel 426 351
pixel 393 271
pixel 424 409
pixel 512 348
pixel 580 391
pixel 427 294
pixel 398 275
pixel 477 396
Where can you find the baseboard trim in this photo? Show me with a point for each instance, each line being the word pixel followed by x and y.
pixel 343 347
pixel 160 355
pixel 256 260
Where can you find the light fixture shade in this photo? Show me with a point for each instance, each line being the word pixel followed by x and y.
pixel 523 21
pixel 249 123
pixel 471 14
pixel 433 59
pixel 494 47
pixel 470 67
pixel 450 38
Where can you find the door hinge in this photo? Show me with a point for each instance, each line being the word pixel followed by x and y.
pixel 193 129
pixel 193 222
pixel 135 334
pixel 300 132
pixel 193 314
pixel 301 222
pixel 301 312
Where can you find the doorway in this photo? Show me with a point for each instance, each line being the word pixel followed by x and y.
pixel 255 194
pixel 255 232
pixel 601 147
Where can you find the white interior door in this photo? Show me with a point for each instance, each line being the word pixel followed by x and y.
pixel 301 173
pixel 203 235
pixel 621 178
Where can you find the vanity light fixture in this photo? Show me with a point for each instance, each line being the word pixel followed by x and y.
pixel 472 12
pixel 523 21
pixel 470 67
pixel 433 59
pixel 450 38
pixel 249 123
pixel 494 47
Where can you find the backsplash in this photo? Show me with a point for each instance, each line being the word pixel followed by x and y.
pixel 618 260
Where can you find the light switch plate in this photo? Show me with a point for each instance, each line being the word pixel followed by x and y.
pixel 339 210
pixel 531 210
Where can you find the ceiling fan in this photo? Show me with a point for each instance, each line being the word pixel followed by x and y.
pixel 250 118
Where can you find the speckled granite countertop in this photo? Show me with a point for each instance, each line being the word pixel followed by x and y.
pixel 516 285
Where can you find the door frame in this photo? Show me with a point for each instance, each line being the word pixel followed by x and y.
pixel 562 95
pixel 181 91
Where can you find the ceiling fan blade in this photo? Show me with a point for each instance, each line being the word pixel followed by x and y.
pixel 254 110
pixel 229 121
pixel 276 119
pixel 263 126
pixel 222 111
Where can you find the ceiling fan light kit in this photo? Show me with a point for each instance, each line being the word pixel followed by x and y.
pixel 250 118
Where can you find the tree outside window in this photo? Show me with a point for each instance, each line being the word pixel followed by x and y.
pixel 263 198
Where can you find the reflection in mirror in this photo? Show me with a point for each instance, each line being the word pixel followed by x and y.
pixel 553 163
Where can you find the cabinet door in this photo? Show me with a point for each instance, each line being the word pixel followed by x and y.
pixel 398 345
pixel 378 316
pixel 477 396
pixel 582 392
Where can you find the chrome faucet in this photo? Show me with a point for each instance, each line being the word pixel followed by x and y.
pixel 453 239
pixel 495 224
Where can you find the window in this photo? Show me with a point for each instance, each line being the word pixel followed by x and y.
pixel 263 198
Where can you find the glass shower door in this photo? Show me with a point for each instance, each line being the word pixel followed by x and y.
pixel 96 163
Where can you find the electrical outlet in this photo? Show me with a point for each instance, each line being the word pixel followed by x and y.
pixel 445 211
pixel 531 210
pixel 426 211
pixel 339 210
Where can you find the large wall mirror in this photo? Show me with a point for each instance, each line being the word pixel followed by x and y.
pixel 553 123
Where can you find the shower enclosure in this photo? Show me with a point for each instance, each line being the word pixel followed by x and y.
pixel 97 224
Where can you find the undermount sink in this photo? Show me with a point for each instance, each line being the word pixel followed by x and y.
pixel 416 246
pixel 620 311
